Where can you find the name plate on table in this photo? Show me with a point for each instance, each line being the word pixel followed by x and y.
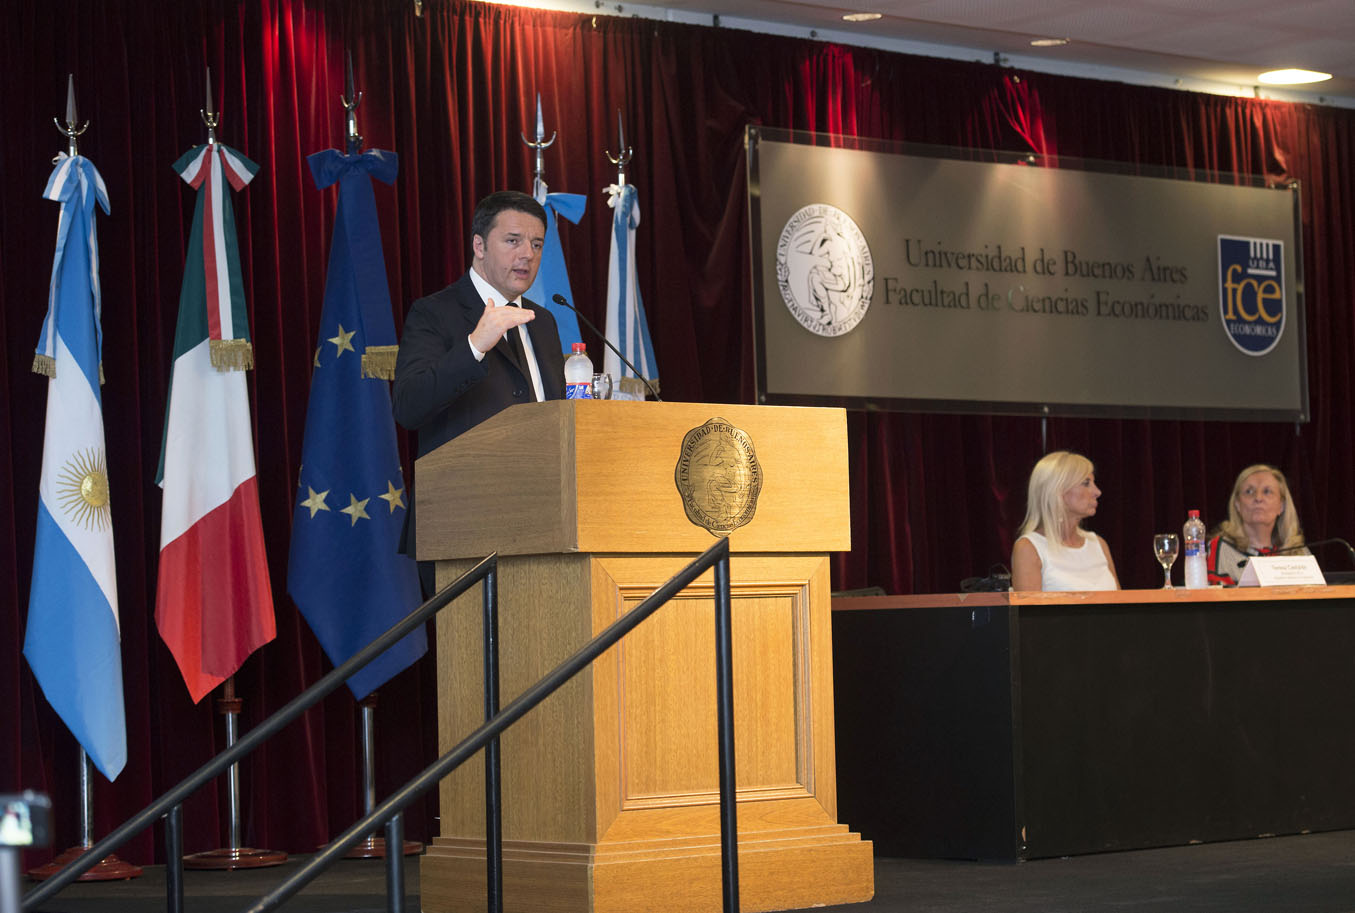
pixel 1277 570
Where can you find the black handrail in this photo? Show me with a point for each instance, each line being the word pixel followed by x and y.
pixel 300 704
pixel 493 784
pixel 717 557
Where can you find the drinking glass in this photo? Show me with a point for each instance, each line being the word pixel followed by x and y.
pixel 1166 547
pixel 602 386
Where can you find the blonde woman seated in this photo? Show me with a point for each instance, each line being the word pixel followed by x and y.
pixel 1054 552
pixel 1261 520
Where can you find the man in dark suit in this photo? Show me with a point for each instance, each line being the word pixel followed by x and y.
pixel 477 347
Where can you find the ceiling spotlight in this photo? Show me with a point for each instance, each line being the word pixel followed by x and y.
pixel 1048 42
pixel 1291 77
pixel 861 17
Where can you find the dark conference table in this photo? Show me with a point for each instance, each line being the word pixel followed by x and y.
pixel 1010 726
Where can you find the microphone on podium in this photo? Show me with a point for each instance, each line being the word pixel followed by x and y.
pixel 560 300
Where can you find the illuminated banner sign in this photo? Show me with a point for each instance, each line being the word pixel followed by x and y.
pixel 901 280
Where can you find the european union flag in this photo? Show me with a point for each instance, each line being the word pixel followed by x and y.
pixel 343 570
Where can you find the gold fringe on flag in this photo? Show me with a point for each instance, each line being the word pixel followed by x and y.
pixel 379 362
pixel 633 386
pixel 46 366
pixel 231 354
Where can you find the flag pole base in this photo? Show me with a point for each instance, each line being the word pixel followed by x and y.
pixel 110 868
pixel 375 848
pixel 232 858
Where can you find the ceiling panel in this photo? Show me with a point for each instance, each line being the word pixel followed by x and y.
pixel 1231 41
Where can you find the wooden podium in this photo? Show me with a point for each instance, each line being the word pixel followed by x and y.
pixel 610 787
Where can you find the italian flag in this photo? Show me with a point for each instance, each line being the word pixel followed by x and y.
pixel 214 603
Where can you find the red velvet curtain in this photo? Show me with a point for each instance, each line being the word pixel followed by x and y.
pixel 934 497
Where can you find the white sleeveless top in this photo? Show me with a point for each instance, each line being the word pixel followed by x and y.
pixel 1082 568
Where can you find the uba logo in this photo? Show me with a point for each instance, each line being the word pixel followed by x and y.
pixel 1251 292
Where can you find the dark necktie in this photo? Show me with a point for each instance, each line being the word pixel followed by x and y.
pixel 514 337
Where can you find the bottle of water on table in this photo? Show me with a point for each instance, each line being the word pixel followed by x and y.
pixel 578 374
pixel 1192 540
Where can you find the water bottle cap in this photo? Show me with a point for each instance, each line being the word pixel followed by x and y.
pixel 1194 515
pixel 578 348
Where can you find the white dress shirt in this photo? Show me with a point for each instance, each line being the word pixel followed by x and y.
pixel 493 298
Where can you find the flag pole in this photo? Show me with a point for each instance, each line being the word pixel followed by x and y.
pixel 627 326
pixel 234 856
pixel 552 278
pixel 541 144
pixel 350 101
pixel 374 846
pixel 624 152
pixel 110 868
pixel 71 130
pixel 208 114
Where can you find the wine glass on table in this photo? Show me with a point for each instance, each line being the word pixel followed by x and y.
pixel 1166 547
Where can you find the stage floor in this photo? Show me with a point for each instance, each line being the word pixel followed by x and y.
pixel 1313 873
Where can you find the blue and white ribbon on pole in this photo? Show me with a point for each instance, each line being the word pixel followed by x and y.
pixel 552 278
pixel 627 327
pixel 72 641
pixel 344 570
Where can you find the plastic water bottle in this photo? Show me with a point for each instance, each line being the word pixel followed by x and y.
pixel 1192 538
pixel 578 374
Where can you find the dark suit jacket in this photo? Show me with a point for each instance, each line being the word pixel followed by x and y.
pixel 440 389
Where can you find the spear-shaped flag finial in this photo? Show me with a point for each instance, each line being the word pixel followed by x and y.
pixel 350 100
pixel 210 117
pixel 622 157
pixel 541 142
pixel 73 126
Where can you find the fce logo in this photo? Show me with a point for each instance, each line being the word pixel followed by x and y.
pixel 1251 292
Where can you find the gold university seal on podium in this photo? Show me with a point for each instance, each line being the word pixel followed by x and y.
pixel 718 476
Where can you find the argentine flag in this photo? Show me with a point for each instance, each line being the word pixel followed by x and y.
pixel 72 639
pixel 627 327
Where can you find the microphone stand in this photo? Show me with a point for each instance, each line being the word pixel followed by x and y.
pixel 1334 540
pixel 1307 546
pixel 560 300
